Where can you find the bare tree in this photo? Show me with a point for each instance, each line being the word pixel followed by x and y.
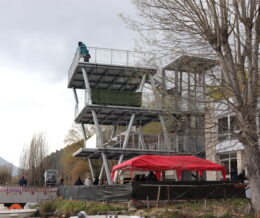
pixel 75 134
pixel 32 158
pixel 231 31
pixel 6 174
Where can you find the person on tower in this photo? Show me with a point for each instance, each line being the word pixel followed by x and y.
pixel 84 52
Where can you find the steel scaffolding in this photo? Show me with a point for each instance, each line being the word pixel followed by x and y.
pixel 108 76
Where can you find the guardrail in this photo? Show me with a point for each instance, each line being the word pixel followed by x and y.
pixel 176 143
pixel 149 101
pixel 114 57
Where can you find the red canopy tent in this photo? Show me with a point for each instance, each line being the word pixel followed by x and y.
pixel 163 163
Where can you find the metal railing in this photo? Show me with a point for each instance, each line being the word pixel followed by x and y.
pixel 175 143
pixel 151 142
pixel 74 64
pixel 114 57
pixel 149 101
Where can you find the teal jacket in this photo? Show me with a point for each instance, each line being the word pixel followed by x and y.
pixel 83 48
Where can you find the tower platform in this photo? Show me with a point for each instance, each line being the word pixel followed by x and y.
pixel 114 153
pixel 120 115
pixel 104 76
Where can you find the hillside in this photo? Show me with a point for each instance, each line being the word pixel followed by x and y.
pixel 4 162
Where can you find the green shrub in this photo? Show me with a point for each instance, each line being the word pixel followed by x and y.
pixel 47 209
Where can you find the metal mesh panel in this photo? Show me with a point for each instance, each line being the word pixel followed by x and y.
pixel 113 97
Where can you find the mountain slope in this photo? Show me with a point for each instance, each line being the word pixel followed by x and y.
pixel 4 162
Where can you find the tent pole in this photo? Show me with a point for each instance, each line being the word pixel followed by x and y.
pixel 131 174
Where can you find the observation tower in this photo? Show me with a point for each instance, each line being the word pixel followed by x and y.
pixel 112 85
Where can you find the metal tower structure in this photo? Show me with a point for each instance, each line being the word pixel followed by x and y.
pixel 113 83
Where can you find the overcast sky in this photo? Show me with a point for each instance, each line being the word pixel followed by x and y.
pixel 38 40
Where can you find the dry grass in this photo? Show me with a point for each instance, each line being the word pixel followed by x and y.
pixel 179 209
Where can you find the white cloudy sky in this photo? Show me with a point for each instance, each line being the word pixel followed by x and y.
pixel 38 39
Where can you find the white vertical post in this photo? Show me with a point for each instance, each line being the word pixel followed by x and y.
pixel 100 145
pixel 88 99
pixel 229 127
pixel 141 136
pixel 107 170
pixel 127 58
pixel 142 83
pixel 158 144
pixel 125 142
pixel 177 144
pixel 91 168
pixel 128 131
pixel 83 133
pixel 154 90
pixel 111 53
pixel 152 82
pixel 95 55
pixel 98 130
pixel 114 132
pixel 101 173
pixel 77 101
pixel 164 129
pixel 89 160
pixel 189 93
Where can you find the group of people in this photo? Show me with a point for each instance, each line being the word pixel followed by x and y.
pixel 237 177
pixel 150 177
pixel 88 181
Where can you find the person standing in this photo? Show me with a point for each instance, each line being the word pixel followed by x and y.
pixel 61 181
pixel 151 176
pixel 88 181
pixel 79 181
pixel 22 181
pixel 84 52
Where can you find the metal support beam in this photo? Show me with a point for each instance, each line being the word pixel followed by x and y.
pixel 165 133
pixel 164 89
pixel 180 90
pixel 104 157
pixel 91 169
pixel 128 131
pixel 195 92
pixel 157 96
pixel 141 138
pixel 101 173
pixel 88 99
pixel 76 101
pixel 125 142
pixel 140 89
pixel 204 91
pixel 100 145
pixel 114 132
pixel 176 94
pixel 98 130
pixel 83 133
pixel 189 93
pixel 89 160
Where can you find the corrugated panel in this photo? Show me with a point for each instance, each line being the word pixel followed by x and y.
pixel 114 97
